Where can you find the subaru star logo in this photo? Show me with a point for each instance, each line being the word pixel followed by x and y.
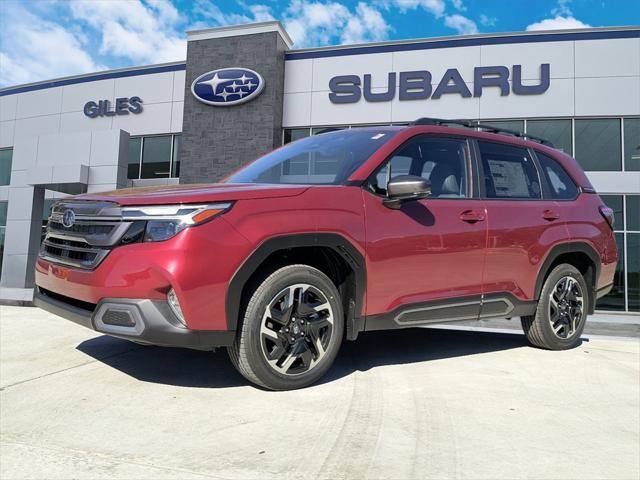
pixel 227 86
pixel 68 218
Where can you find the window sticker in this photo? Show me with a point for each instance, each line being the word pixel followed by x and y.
pixel 509 178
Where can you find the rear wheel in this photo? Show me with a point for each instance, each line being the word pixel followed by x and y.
pixel 291 331
pixel 562 310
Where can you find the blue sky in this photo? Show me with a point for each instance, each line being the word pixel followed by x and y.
pixel 45 39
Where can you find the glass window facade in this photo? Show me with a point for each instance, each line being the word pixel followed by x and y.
pixel 154 157
pixel 625 294
pixel 175 160
pixel 6 155
pixel 557 132
pixel 135 149
pixel 3 227
pixel 633 213
pixel 515 125
pixel 633 272
pixel 632 144
pixel 293 134
pixel 598 144
pixel 616 203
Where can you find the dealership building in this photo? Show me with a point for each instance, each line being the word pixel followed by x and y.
pixel 152 125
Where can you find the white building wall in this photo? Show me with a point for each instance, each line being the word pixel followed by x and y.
pixel 59 110
pixel 588 78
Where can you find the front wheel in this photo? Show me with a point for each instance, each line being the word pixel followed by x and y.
pixel 291 331
pixel 562 310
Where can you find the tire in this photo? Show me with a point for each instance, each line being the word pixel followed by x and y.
pixel 276 346
pixel 562 309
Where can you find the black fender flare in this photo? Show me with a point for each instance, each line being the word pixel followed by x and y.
pixel 338 243
pixel 570 247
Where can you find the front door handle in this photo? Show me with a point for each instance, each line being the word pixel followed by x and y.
pixel 472 216
pixel 550 215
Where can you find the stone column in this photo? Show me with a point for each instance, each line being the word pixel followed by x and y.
pixel 217 140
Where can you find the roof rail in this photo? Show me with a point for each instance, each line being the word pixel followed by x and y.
pixel 480 126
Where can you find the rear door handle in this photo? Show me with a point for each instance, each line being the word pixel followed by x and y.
pixel 472 216
pixel 550 215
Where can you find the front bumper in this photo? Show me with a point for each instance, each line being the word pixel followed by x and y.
pixel 139 320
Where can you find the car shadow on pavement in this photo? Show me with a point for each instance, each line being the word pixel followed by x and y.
pixel 417 345
pixel 199 369
pixel 164 365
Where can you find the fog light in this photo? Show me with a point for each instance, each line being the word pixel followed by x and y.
pixel 174 304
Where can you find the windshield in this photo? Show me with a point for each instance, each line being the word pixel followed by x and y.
pixel 326 159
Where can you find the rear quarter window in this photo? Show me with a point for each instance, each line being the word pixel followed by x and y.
pixel 560 183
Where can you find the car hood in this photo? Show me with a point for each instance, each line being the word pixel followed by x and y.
pixel 198 193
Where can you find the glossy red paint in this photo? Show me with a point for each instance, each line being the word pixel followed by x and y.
pixel 200 193
pixel 519 239
pixel 428 250
pixel 423 252
pixel 197 263
pixel 585 224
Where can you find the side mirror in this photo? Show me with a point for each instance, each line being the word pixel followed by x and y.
pixel 405 188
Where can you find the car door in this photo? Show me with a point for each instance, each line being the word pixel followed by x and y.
pixel 425 260
pixel 522 226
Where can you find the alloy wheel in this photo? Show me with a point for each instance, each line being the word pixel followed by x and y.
pixel 566 307
pixel 296 328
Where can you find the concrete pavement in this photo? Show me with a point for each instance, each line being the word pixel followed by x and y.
pixel 423 403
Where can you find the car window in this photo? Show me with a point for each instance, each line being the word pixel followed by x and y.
pixel 442 161
pixel 321 159
pixel 509 172
pixel 561 184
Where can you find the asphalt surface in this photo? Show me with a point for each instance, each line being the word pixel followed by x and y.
pixel 425 403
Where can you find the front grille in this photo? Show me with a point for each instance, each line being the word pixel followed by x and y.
pixel 83 228
pixel 94 228
pixel 76 252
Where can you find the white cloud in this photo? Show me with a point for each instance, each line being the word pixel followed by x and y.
pixel 141 31
pixel 261 13
pixel 562 9
pixel 436 7
pixel 458 5
pixel 57 37
pixel 366 25
pixel 557 23
pixel 563 19
pixel 487 21
pixel 213 15
pixel 33 49
pixel 461 24
pixel 308 22
pixel 313 23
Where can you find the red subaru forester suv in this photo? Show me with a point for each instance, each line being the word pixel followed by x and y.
pixel 348 231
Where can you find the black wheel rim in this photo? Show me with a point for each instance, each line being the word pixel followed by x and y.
pixel 296 328
pixel 566 307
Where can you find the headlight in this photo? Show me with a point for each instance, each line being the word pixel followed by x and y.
pixel 166 221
